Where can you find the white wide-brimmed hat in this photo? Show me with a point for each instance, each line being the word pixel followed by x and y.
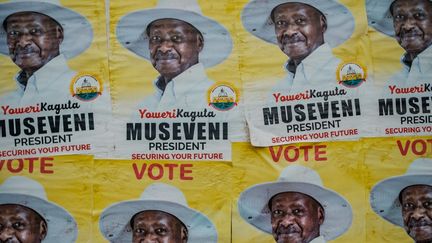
pixel 340 22
pixel 379 16
pixel 131 29
pixel 115 220
pixel 253 202
pixel 29 193
pixel 384 197
pixel 77 30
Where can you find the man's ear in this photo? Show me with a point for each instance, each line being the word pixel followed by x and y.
pixel 184 235
pixel 59 34
pixel 321 215
pixel 323 23
pixel 43 229
pixel 200 42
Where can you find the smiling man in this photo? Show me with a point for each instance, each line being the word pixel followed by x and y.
pixel 406 200
pixel 21 224
pixel 416 204
pixel 299 31
pixel 39 38
pixel 153 225
pixel 26 216
pixel 33 40
pixel 305 31
pixel 410 23
pixel 180 43
pixel 295 217
pixel 296 208
pixel 174 47
pixel 161 214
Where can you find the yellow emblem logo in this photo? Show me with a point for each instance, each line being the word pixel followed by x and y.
pixel 351 74
pixel 86 87
pixel 223 96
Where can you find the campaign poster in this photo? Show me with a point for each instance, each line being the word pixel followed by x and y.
pixel 401 56
pixel 192 197
pixel 310 192
pixel 175 80
pixel 55 192
pixel 54 92
pixel 399 188
pixel 299 85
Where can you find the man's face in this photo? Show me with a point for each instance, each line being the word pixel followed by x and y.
pixel 412 21
pixel 157 227
pixel 19 224
pixel 299 29
pixel 174 46
pixel 33 39
pixel 295 217
pixel 416 204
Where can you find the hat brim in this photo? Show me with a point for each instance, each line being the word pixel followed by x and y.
pixel 384 196
pixel 131 33
pixel 77 30
pixel 252 205
pixel 340 22
pixel 61 225
pixel 379 16
pixel 114 221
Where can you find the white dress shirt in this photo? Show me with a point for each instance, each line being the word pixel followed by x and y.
pixel 420 71
pixel 51 83
pixel 187 90
pixel 318 71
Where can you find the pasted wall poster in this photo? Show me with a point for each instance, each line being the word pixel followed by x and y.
pixel 215 121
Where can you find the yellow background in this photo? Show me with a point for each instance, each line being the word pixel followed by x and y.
pixel 93 60
pixel 385 53
pixel 209 192
pixel 70 187
pixel 351 170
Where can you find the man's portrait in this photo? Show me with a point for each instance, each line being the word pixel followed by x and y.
pixel 40 37
pixel 27 216
pixel 180 43
pixel 161 214
pixel 21 224
pixel 296 208
pixel 410 23
pixel 406 200
pixel 157 225
pixel 295 217
pixel 305 31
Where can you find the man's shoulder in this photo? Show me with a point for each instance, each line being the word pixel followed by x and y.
pixel 319 239
pixel 61 85
pixel 70 74
pixel 399 77
pixel 150 102
pixel 332 65
pixel 203 86
pixel 12 97
pixel 282 85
